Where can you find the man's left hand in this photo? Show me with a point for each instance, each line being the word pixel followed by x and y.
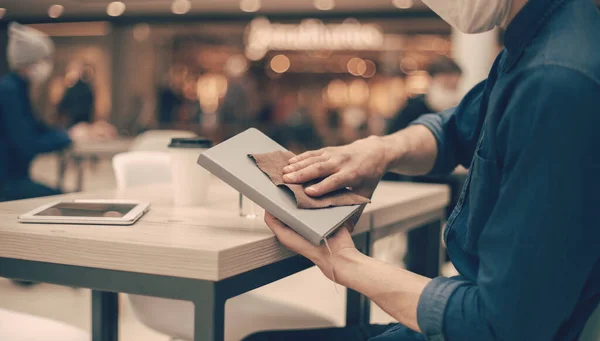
pixel 341 242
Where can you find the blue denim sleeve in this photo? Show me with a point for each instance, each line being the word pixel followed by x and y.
pixel 456 131
pixel 432 306
pixel 437 124
pixel 25 133
pixel 539 247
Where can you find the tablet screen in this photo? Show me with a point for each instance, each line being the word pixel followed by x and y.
pixel 96 210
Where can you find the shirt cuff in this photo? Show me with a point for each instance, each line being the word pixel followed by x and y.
pixel 432 306
pixel 433 122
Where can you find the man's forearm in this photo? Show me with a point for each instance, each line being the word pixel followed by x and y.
pixel 411 151
pixel 395 290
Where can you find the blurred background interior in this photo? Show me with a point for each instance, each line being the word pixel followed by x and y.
pixel 309 73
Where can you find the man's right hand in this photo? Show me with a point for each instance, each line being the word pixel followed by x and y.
pixel 359 165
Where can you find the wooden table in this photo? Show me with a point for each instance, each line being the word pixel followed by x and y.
pixel 93 151
pixel 203 254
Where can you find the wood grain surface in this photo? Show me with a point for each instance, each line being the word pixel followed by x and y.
pixel 210 242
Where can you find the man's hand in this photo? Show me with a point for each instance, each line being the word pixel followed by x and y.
pixel 102 130
pixel 395 290
pixel 359 165
pixel 341 243
pixel 97 131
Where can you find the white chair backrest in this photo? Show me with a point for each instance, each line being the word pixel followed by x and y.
pixel 141 168
pixel 592 328
pixel 157 140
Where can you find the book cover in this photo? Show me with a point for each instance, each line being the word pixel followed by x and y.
pixel 229 161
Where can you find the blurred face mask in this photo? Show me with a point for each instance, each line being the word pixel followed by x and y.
pixel 40 71
pixel 472 16
pixel 440 98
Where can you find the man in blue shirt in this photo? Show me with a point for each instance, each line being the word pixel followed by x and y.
pixel 22 135
pixel 525 234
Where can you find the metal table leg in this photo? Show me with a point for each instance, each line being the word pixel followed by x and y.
pixel 79 167
pixel 105 316
pixel 358 306
pixel 208 297
pixel 209 317
pixel 62 169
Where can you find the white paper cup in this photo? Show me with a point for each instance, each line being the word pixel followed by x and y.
pixel 190 181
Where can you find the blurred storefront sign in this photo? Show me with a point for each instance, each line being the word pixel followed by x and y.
pixel 74 29
pixel 263 36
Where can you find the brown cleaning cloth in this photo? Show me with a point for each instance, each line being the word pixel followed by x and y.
pixel 272 165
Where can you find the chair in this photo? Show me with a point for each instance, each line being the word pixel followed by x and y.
pixel 16 326
pixel 140 168
pixel 591 332
pixel 175 318
pixel 157 140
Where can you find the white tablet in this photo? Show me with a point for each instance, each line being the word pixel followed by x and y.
pixel 94 212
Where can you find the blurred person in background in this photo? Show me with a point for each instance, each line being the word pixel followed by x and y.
pixel 442 94
pixel 170 96
pixel 77 105
pixel 77 108
pixel 354 123
pixel 300 127
pixel 23 135
pixel 243 105
pixel 333 122
pixel 525 233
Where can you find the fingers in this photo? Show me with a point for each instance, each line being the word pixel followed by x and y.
pixel 306 155
pixel 273 223
pixel 314 171
pixel 329 184
pixel 304 163
pixel 289 238
pixel 351 223
pixel 281 230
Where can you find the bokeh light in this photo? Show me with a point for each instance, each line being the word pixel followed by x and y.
pixel 115 8
pixel 403 4
pixel 324 5
pixel 141 32
pixel 351 21
pixel 356 66
pixel 250 6
pixel 409 65
pixel 361 67
pixel 236 65
pixel 418 82
pixel 358 91
pixel 387 96
pixel 370 70
pixel 210 88
pixel 181 6
pixel 337 93
pixel 280 63
pixel 55 11
pixel 255 54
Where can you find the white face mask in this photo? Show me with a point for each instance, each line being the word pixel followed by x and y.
pixel 472 16
pixel 40 72
pixel 440 98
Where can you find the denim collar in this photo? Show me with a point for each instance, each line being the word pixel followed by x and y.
pixel 525 25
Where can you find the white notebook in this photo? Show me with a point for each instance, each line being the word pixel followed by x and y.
pixel 229 161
